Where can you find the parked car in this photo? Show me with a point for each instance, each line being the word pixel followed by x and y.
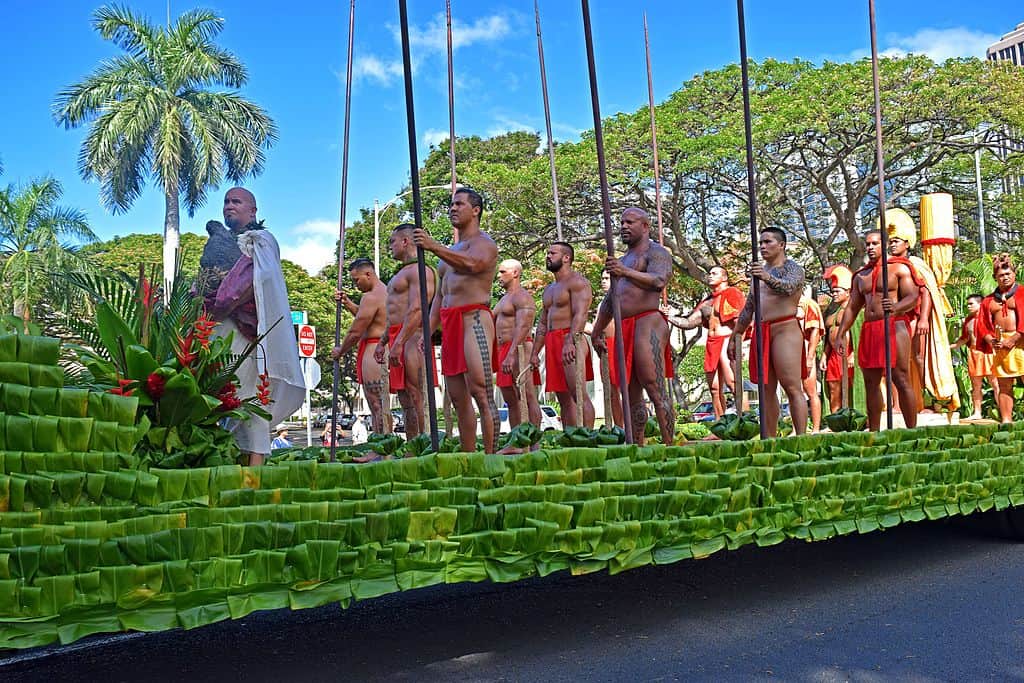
pixel 704 412
pixel 548 420
pixel 398 420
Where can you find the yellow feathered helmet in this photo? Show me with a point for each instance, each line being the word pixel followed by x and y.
pixel 900 225
pixel 839 276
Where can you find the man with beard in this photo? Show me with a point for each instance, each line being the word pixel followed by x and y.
pixel 876 296
pixel 368 327
pixel 717 313
pixel 781 335
pixel 463 312
pixel 252 302
pixel 1000 331
pixel 406 363
pixel 839 278
pixel 566 303
pixel 513 322
pixel 641 275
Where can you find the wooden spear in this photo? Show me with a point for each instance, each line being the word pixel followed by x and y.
pixel 417 207
pixel 606 207
pixel 547 123
pixel 883 229
pixel 341 223
pixel 446 400
pixel 755 287
pixel 654 146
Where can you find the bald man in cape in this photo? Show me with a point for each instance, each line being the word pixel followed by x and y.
pixel 930 354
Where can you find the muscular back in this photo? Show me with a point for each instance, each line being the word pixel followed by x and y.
pixel 461 288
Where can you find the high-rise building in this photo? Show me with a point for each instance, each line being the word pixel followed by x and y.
pixel 1009 48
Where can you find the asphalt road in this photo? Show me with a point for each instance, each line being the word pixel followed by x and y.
pixel 922 602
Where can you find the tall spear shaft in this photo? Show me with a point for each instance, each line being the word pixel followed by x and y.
pixel 752 206
pixel 883 229
pixel 451 104
pixel 606 207
pixel 341 221
pixel 547 123
pixel 654 146
pixel 417 208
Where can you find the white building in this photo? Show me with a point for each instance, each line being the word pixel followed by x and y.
pixel 1009 48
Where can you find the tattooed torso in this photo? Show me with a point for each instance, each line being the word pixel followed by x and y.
pixel 635 299
pixel 780 293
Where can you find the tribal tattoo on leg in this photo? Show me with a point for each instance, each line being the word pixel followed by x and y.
pixel 662 406
pixel 485 358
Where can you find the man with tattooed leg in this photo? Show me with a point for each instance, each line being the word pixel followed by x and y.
pixel 368 327
pixel 783 348
pixel 463 312
pixel 641 276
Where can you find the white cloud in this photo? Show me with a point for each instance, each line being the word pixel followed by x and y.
pixel 310 244
pixel 433 137
pixel 939 44
pixel 371 67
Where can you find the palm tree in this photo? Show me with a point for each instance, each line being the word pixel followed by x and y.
pixel 34 241
pixel 154 115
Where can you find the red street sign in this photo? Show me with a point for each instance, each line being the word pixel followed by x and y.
pixel 307 341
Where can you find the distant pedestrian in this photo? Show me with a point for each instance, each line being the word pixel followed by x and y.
pixel 281 440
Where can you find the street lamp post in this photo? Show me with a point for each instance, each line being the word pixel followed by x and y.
pixel 379 210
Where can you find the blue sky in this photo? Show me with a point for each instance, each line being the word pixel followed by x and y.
pixel 296 58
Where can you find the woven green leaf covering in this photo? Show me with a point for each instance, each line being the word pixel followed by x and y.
pixel 89 544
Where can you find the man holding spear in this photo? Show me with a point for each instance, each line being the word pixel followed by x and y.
pixel 641 276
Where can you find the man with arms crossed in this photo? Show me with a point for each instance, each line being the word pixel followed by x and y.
pixel 718 314
pixel 463 312
pixel 642 274
pixel 876 297
pixel 513 322
pixel 1000 331
pixel 406 372
pixel 368 327
pixel 566 304
pixel 782 338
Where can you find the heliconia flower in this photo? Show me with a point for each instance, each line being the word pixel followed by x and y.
pixel 120 388
pixel 204 329
pixel 263 389
pixel 183 352
pixel 155 385
pixel 148 293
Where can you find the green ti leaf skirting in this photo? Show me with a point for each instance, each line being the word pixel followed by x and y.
pixel 91 544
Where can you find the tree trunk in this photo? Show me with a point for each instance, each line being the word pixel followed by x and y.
pixel 171 237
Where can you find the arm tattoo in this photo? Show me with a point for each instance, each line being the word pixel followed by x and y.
pixel 659 265
pixel 786 279
pixel 747 314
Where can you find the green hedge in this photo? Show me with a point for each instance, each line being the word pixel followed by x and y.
pixel 90 544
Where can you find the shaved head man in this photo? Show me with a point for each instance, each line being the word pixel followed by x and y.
pixel 513 321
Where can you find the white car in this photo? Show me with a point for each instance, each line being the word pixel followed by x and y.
pixel 548 419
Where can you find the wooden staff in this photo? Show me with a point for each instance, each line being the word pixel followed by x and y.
pixel 522 382
pixel 654 147
pixel 341 223
pixel 579 374
pixel 446 399
pixel 417 207
pixel 609 240
pixel 606 386
pixel 752 205
pixel 547 123
pixel 883 229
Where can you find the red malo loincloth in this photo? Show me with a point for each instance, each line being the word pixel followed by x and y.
pixel 628 341
pixel 613 367
pixel 713 352
pixel 453 342
pixel 553 360
pixel 364 343
pixel 871 350
pixel 396 374
pixel 766 348
pixel 504 380
pixel 834 365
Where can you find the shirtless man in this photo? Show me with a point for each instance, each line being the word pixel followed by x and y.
pixel 407 374
pixel 566 303
pixel 513 322
pixel 1000 331
pixel 718 314
pixel 979 364
pixel 641 276
pixel 809 314
pixel 368 327
pixel 463 312
pixel 839 278
pixel 783 280
pixel 876 298
pixel 607 359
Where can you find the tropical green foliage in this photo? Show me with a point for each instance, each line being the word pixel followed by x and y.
pixel 38 238
pixel 164 353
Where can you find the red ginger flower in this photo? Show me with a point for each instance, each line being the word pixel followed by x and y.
pixel 155 385
pixel 120 388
